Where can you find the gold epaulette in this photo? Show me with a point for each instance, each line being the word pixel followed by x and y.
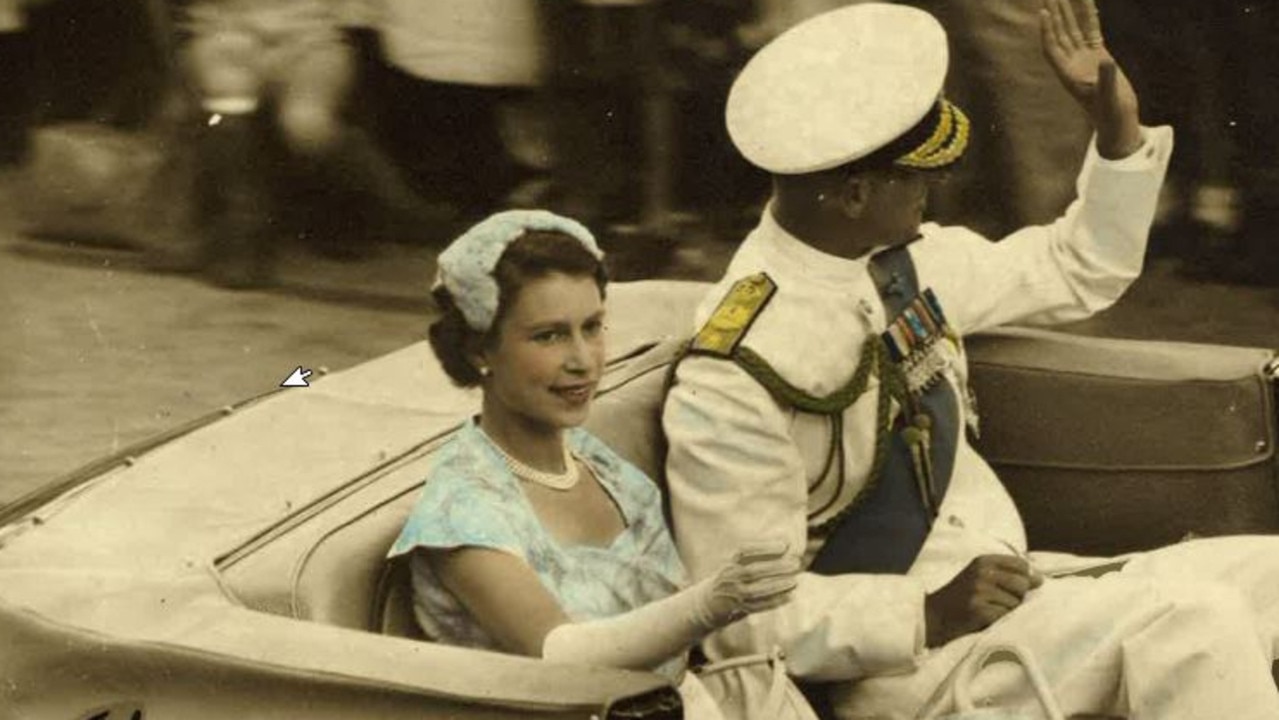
pixel 733 317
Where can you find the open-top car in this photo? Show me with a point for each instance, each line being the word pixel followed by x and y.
pixel 236 567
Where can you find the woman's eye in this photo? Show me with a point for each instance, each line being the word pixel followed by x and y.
pixel 593 328
pixel 547 336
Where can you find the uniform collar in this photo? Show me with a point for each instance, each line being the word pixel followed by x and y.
pixel 795 255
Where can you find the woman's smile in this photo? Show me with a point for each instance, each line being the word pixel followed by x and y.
pixel 575 393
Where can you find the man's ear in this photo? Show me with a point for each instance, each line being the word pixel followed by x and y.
pixel 854 195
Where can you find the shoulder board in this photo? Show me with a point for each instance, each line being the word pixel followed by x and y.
pixel 733 317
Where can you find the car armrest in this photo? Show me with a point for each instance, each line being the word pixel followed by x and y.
pixel 1110 446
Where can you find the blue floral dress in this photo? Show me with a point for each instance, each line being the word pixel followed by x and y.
pixel 471 499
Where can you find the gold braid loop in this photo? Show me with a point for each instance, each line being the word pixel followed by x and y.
pixel 946 144
pixel 875 360
pixel 788 394
pixel 937 140
pixel 892 386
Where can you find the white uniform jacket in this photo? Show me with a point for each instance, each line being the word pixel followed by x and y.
pixel 744 468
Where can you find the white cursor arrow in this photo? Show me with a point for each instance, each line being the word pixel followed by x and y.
pixel 297 378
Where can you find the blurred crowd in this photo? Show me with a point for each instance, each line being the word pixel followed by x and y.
pixel 213 133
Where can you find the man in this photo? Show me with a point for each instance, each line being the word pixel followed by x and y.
pixel 824 399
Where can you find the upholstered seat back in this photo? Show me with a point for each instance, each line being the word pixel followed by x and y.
pixel 1109 446
pixel 1105 445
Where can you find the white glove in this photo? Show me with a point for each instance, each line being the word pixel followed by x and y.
pixel 760 577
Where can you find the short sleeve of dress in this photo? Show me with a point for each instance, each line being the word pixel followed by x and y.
pixel 456 511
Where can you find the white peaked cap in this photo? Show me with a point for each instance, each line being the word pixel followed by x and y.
pixel 837 87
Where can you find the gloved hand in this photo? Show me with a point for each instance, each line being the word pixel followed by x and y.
pixel 760 577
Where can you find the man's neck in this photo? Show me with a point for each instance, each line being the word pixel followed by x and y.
pixel 842 238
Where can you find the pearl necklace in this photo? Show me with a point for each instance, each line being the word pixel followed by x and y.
pixel 555 481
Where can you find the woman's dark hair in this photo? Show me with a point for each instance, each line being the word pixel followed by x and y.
pixel 534 255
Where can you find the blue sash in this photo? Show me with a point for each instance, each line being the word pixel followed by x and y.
pixel 885 527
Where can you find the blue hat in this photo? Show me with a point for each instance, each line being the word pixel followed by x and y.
pixel 466 265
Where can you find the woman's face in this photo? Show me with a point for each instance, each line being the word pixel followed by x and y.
pixel 548 355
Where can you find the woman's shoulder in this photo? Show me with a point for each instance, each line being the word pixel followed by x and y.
pixel 462 489
pixel 464 462
pixel 465 498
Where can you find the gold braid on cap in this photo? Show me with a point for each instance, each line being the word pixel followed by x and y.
pixel 946 143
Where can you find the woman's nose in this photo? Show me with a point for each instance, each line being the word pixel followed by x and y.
pixel 575 359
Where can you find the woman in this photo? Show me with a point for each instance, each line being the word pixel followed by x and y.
pixel 531 536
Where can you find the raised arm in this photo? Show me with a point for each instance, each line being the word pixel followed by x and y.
pixel 1085 260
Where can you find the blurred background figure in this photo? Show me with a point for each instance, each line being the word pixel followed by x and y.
pixel 713 190
pixel 347 122
pixel 1189 44
pixel 310 125
pixel 1025 155
pixel 1253 58
pixel 15 52
pixel 606 94
pixel 1210 68
pixel 287 63
pixel 773 17
pixel 458 88
pixel 82 79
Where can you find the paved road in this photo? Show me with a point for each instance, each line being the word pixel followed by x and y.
pixel 93 358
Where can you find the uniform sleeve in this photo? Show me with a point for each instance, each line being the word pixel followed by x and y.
pixel 735 477
pixel 1067 270
pixel 453 513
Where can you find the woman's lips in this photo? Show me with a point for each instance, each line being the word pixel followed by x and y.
pixel 575 393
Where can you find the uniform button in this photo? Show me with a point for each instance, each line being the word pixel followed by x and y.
pixel 955 521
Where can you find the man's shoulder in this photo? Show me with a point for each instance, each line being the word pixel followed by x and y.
pixel 737 305
pixel 757 306
pixel 807 335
